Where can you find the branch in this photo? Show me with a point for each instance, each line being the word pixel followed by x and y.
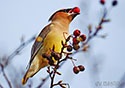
pixel 43 81
pixel 16 52
pixel 5 76
pixel 1 86
pixel 98 28
pixel 47 77
pixel 10 57
pixel 24 44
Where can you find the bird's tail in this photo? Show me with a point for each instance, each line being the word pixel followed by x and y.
pixel 24 79
pixel 36 65
pixel 31 72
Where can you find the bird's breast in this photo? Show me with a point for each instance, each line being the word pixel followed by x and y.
pixel 53 38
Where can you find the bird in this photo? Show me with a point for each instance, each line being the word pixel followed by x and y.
pixel 50 36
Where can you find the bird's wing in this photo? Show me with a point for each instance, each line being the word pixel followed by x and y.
pixel 38 44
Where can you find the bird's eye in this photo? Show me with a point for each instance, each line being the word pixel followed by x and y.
pixel 68 10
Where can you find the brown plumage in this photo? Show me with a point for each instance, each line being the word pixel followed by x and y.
pixel 51 35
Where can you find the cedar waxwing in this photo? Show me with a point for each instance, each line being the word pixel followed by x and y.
pixel 50 36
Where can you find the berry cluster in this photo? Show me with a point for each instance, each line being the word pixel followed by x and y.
pixel 76 38
pixel 79 68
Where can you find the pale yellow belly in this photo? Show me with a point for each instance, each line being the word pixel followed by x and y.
pixel 53 39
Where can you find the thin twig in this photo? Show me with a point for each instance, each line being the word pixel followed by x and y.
pixel 13 54
pixel 1 86
pixel 52 79
pixel 24 44
pixel 98 28
pixel 43 81
pixel 5 76
pixel 10 57
pixel 47 77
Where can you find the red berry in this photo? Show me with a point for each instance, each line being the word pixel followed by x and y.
pixel 81 67
pixel 114 3
pixel 76 32
pixel 75 41
pixel 82 37
pixel 76 10
pixel 76 70
pixel 102 2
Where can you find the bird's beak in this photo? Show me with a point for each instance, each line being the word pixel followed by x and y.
pixel 74 12
pixel 74 15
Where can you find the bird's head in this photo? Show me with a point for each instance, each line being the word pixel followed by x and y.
pixel 65 14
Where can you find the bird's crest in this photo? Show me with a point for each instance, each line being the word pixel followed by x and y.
pixel 62 10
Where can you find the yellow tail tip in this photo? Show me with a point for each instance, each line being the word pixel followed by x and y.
pixel 23 81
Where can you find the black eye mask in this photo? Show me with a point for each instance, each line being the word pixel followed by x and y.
pixel 66 10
